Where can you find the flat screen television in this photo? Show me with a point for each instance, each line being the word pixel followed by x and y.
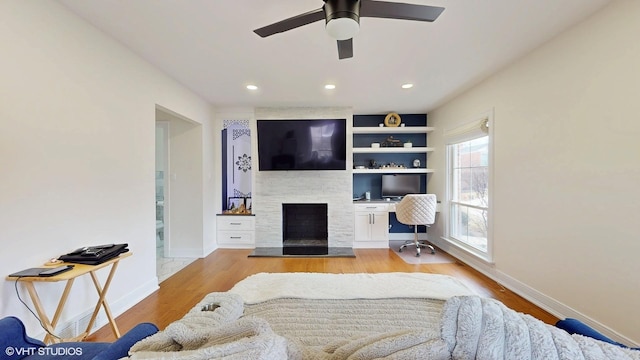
pixel 399 185
pixel 302 144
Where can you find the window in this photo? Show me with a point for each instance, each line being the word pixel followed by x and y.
pixel 321 140
pixel 468 172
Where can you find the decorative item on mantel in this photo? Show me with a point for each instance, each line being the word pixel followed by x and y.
pixel 392 120
pixel 240 210
pixel 393 166
pixel 238 206
pixel 392 142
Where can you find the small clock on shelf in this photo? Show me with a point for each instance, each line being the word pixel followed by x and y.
pixel 392 120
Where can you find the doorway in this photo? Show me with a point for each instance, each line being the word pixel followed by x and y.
pixel 178 203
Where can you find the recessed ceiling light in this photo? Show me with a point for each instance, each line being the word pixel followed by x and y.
pixel 407 86
pixel 252 87
pixel 329 86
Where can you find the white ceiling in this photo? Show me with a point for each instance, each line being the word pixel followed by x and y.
pixel 209 46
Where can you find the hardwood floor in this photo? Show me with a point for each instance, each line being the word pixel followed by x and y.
pixel 223 268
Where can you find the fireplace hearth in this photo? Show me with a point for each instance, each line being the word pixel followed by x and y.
pixel 303 252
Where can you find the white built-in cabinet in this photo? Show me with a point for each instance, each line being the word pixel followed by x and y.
pixel 371 228
pixel 236 231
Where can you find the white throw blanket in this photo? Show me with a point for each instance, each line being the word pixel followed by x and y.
pixel 213 330
pixel 482 328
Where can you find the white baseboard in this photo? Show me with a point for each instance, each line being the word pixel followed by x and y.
pixel 547 303
pixel 209 249
pixel 185 253
pixel 78 324
pixel 126 302
pixel 370 244
pixel 236 246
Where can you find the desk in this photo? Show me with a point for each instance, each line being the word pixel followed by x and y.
pixel 391 204
pixel 70 276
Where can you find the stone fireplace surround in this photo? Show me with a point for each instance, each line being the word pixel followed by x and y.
pixel 332 187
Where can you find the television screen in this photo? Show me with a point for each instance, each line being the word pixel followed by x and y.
pixel 302 144
pixel 399 185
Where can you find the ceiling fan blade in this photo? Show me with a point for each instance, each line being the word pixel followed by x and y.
pixel 291 23
pixel 345 49
pixel 391 10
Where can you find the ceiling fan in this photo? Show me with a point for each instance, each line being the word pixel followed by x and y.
pixel 342 19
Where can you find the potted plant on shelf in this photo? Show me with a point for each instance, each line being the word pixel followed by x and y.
pixel 408 144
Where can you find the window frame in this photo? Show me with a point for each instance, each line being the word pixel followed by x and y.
pixel 470 130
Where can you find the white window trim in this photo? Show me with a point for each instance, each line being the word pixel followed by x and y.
pixel 470 130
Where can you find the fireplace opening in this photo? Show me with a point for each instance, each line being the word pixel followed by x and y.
pixel 304 226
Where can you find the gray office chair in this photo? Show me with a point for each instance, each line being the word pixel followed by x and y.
pixel 417 209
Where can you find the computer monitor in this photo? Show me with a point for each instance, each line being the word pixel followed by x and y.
pixel 399 185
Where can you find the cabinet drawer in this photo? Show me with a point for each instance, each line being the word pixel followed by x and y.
pixel 242 223
pixel 371 207
pixel 235 237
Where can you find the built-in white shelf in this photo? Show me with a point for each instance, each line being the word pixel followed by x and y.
pixel 393 130
pixel 393 171
pixel 392 150
pixel 404 154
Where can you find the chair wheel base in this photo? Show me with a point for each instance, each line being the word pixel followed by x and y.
pixel 418 245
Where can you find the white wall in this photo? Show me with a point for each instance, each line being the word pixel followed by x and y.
pixel 185 189
pixel 566 170
pixel 77 120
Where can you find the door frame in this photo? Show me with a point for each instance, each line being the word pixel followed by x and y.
pixel 166 186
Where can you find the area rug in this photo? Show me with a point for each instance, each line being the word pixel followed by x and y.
pixel 408 255
pixel 224 327
pixel 267 286
pixel 313 316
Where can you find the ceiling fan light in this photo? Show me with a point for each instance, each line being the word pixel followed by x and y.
pixel 342 28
